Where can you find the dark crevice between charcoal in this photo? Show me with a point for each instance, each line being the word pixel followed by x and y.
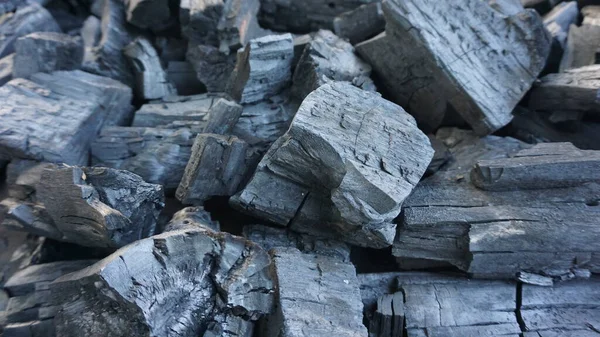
pixel 519 302
pixel 370 260
pixel 230 220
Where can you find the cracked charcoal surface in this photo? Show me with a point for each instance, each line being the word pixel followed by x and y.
pixel 46 52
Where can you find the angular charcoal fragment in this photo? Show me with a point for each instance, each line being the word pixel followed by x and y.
pixel 304 16
pixel 263 68
pixel 191 217
pixel 582 45
pixel 158 155
pixel 46 52
pixel 535 279
pixel 152 14
pixel 333 173
pixel 361 23
pixel 496 51
pixel 6 68
pixel 213 67
pixel 33 18
pixel 327 58
pixel 150 78
pixel 100 207
pixel 325 301
pixel 388 320
pixel 559 20
pixel 75 103
pixel 216 168
pixel 591 15
pixel 175 283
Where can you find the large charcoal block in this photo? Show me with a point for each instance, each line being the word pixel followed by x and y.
pixel 334 168
pixel 150 78
pixel 33 18
pixel 46 52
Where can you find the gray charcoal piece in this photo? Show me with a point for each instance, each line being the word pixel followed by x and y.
pixel 28 217
pixel 327 58
pixel 192 217
pixel 375 285
pixel 107 58
pixel 46 52
pixel 29 19
pixel 272 237
pixel 6 68
pixel 567 309
pixel 27 280
pixel 559 20
pixel 305 16
pixel 172 284
pixel 150 78
pixel 360 24
pixel 535 279
pixel 388 319
pixel 100 207
pixel 325 301
pixel 573 91
pixel 216 168
pixel 213 68
pixel 582 45
pixel 263 68
pixel 496 51
pixel 148 14
pixel 591 15
pixel 195 108
pixel 334 168
pixel 158 155
pixel 76 103
pixel 227 325
pixel 182 76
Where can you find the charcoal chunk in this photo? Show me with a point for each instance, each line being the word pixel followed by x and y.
pixel 361 23
pixel 582 44
pixel 29 19
pixel 191 217
pixel 6 68
pixel 150 78
pixel 46 52
pixel 152 14
pixel 213 68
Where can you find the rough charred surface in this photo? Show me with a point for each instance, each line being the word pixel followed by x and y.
pixel 496 51
pixel 441 156
pixel 495 233
pixel 213 68
pixel 183 77
pixel 568 95
pixel 217 166
pixel 99 207
pixel 582 45
pixel 567 309
pixel 559 20
pixel 361 23
pixel 6 68
pixel 30 309
pixel 178 283
pixel 304 16
pixel 388 319
pixel 33 18
pixel 152 14
pixel 199 20
pixel 107 58
pixel 75 103
pixel 46 52
pixel 158 155
pixel 325 301
pixel 150 78
pixel 591 15
pixel 328 58
pixel 331 169
pixel 263 68
pixel 373 286
pixel 271 237
pixel 206 111
pixel 437 305
pixel 192 217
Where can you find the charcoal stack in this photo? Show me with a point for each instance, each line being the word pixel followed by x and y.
pixel 246 168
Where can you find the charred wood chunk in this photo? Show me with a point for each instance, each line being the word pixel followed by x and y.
pixel 566 309
pixel 333 168
pixel 271 237
pixel 183 77
pixel 107 58
pixel 582 44
pixel 324 301
pixel 494 46
pixel 388 319
pixel 191 217
pixel 560 19
pixel 148 14
pixel 33 18
pixel 196 108
pixel 46 52
pixel 305 16
pixel 213 68
pixel 6 68
pixel 263 68
pixel 361 23
pixel 591 15
pixel 77 104
pixel 100 207
pixel 216 168
pixel 329 58
pixel 158 155
pixel 179 282
pixel 150 78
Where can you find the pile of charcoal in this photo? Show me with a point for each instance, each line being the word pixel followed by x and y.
pixel 299 168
